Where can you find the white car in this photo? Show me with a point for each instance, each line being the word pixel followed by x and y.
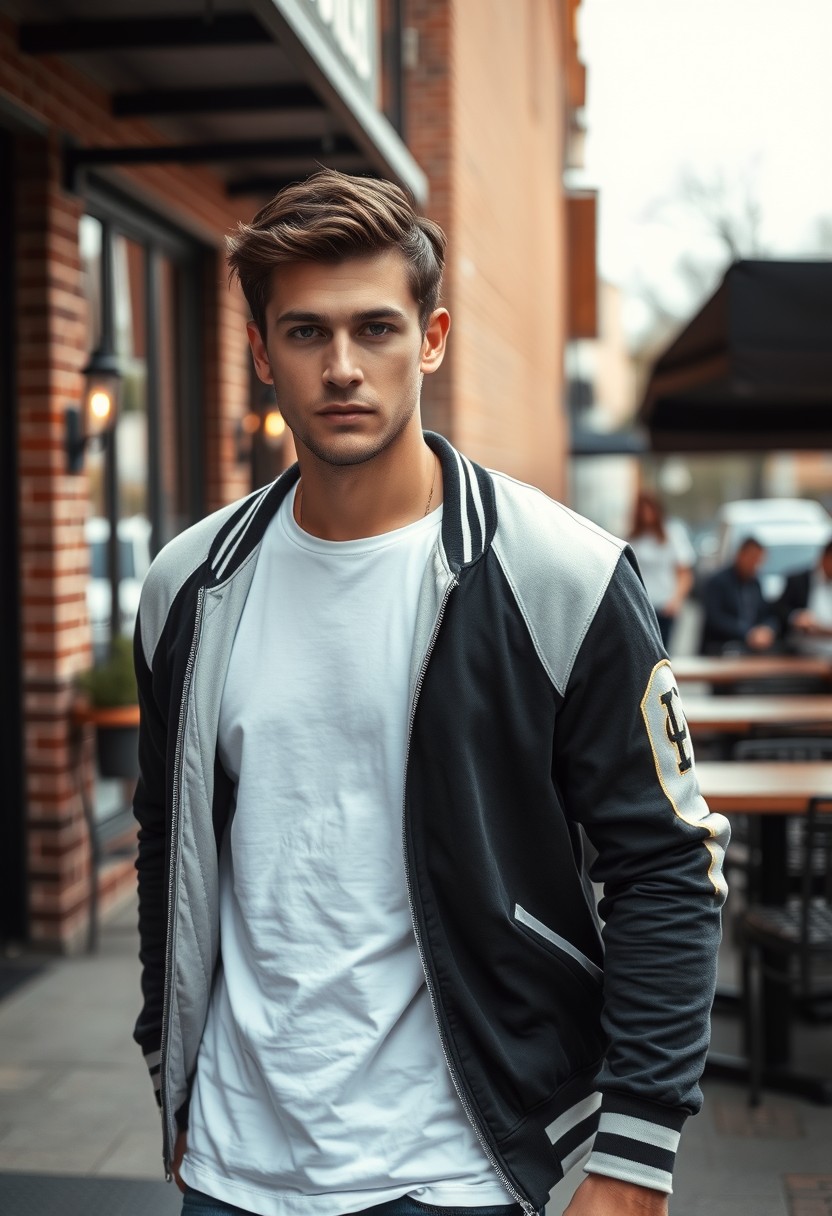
pixel 134 562
pixel 792 530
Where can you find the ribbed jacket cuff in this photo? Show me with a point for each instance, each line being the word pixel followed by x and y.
pixel 153 1060
pixel 636 1142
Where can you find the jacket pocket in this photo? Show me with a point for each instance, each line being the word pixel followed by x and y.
pixel 558 944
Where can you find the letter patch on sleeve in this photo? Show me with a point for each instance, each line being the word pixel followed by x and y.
pixel 670 742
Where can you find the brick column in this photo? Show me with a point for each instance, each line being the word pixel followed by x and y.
pixel 54 561
pixel 227 384
pixel 429 119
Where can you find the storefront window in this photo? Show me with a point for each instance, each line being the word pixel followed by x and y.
pixel 154 335
pixel 145 314
pixel 130 316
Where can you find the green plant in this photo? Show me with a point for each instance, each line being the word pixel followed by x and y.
pixel 113 681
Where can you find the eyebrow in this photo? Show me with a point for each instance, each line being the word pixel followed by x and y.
pixel 297 317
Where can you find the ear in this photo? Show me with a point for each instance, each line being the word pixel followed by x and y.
pixel 434 341
pixel 259 353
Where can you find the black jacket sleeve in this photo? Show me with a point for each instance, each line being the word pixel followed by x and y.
pixel 149 807
pixel 625 763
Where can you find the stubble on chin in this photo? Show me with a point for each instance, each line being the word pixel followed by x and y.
pixel 345 454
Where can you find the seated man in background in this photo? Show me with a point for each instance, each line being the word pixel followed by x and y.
pixel 805 607
pixel 738 617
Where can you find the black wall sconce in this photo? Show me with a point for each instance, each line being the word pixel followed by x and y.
pixel 97 415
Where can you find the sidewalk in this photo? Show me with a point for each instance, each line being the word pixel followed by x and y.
pixel 80 1134
pixel 79 1129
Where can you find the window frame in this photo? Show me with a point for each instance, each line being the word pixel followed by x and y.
pixel 122 215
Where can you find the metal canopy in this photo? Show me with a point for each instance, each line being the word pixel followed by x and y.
pixel 256 88
pixel 753 369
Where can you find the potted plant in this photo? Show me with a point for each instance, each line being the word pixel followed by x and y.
pixel 111 705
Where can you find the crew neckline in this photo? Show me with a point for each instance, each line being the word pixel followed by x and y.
pixel 362 544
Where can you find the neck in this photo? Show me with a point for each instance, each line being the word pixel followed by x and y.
pixel 389 491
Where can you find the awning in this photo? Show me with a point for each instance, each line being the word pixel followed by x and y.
pixel 753 369
pixel 264 90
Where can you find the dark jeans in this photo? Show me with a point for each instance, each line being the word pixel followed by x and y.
pixel 666 624
pixel 197 1204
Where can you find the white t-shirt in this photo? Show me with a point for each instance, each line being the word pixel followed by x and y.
pixel 321 1085
pixel 658 561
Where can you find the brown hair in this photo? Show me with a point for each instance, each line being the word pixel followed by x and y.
pixel 646 498
pixel 327 218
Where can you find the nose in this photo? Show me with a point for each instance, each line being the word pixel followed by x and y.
pixel 342 368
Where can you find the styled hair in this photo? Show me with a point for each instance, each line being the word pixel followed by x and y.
pixel 329 217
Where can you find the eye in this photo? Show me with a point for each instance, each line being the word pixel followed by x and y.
pixel 377 329
pixel 303 332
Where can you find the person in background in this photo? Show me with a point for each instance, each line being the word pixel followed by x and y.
pixel 665 558
pixel 805 607
pixel 738 617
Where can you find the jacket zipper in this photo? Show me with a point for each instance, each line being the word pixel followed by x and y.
pixel 527 1207
pixel 168 1130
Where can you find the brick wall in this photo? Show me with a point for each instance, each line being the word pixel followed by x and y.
pixel 508 228
pixel 54 504
pixel 485 119
pixel 429 119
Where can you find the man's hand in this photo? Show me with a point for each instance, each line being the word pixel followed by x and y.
pixel 760 637
pixel 178 1154
pixel 601 1196
pixel 804 622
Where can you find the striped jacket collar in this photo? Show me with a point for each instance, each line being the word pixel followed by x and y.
pixel 469 516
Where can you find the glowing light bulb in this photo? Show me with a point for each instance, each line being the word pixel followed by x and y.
pixel 274 424
pixel 100 405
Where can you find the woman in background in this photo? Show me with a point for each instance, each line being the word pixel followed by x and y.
pixel 665 558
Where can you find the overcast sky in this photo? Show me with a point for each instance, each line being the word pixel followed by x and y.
pixel 738 87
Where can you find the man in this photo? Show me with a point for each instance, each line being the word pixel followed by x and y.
pixel 737 615
pixel 805 607
pixel 381 698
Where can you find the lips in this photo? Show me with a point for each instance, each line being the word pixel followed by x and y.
pixel 350 409
pixel 345 414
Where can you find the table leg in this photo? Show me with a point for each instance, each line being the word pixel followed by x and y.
pixel 774 889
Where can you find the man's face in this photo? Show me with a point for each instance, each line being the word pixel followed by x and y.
pixel 749 559
pixel 345 353
pixel 826 563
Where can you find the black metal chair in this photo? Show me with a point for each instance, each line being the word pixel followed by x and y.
pixel 797 934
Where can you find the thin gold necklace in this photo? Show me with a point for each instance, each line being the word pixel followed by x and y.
pixel 427 508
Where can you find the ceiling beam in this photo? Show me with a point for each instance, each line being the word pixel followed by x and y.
pixel 268 185
pixel 65 37
pixel 314 150
pixel 153 102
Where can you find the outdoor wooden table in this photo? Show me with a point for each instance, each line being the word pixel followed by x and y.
pixel 764 787
pixel 744 715
pixel 774 790
pixel 732 669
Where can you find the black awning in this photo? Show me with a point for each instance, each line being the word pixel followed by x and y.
pixel 264 90
pixel 753 369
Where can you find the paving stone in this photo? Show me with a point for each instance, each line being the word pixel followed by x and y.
pixel 809 1194
pixel 137 1153
pixel 768 1121
pixel 13 1079
pixel 23 1194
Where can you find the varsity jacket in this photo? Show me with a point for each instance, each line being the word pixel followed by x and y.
pixel 543 715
